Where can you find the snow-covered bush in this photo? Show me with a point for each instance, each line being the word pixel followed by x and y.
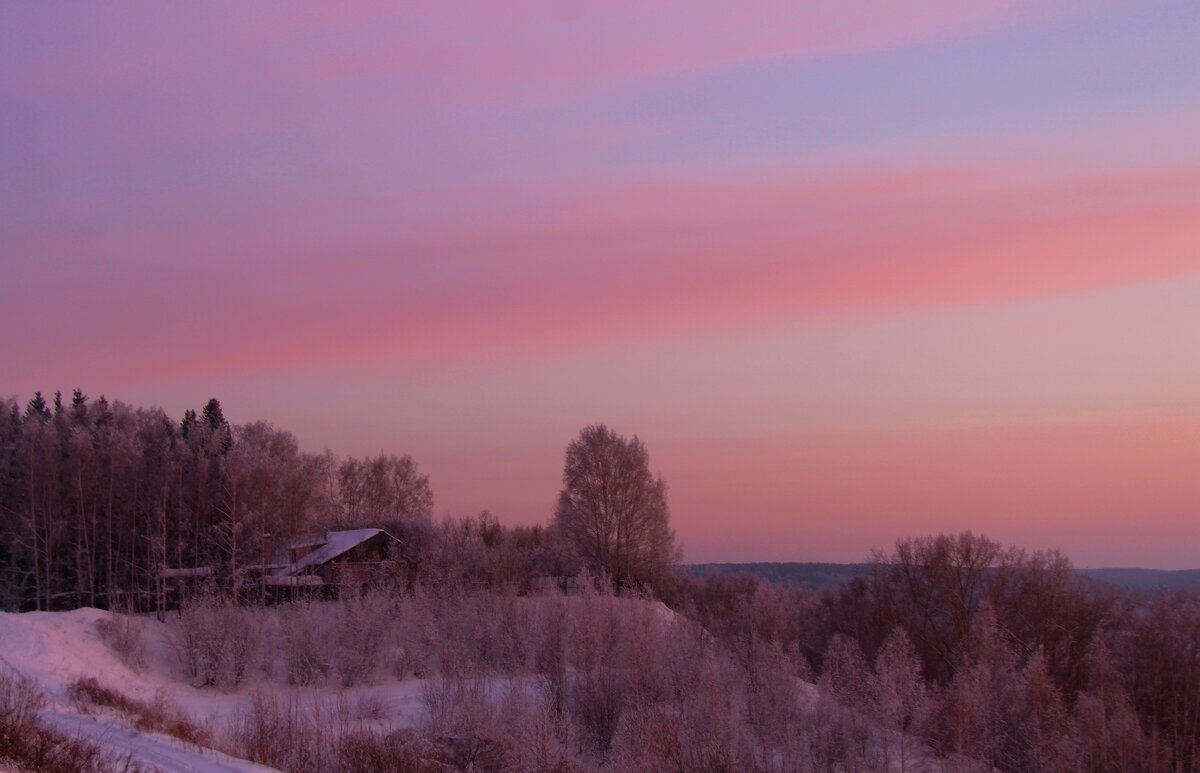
pixel 304 651
pixel 414 631
pixel 597 661
pixel 216 641
pixel 364 626
pixel 705 732
pixel 243 639
pixel 284 735
pixel 538 737
pixel 902 701
pixel 549 643
pixel 458 703
pixel 200 639
pixel 321 734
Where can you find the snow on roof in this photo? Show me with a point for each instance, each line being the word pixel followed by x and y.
pixel 195 571
pixel 281 548
pixel 305 541
pixel 335 544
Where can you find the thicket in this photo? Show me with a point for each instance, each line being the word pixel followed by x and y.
pixel 966 650
pixel 734 675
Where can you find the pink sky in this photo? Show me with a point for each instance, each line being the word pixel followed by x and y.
pixel 851 275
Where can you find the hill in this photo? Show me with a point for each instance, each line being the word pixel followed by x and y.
pixel 819 577
pixel 1147 579
pixel 815 577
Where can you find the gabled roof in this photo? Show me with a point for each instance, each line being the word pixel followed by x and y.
pixel 306 540
pixel 334 544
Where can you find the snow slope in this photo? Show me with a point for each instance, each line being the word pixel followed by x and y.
pixel 52 649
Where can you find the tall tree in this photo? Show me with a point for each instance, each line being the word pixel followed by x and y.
pixel 37 408
pixel 213 415
pixel 901 701
pixel 386 489
pixel 613 510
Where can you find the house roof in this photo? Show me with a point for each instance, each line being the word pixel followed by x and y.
pixel 194 571
pixel 334 544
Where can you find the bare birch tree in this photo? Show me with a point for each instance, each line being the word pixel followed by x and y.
pixel 613 510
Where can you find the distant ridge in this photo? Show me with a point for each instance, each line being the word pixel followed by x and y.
pixel 1147 579
pixel 812 576
pixel 820 577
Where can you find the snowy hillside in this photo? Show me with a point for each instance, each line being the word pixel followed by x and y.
pixel 53 649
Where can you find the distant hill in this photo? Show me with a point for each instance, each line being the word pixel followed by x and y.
pixel 814 577
pixel 1147 579
pixel 819 577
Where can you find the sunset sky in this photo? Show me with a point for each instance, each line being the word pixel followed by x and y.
pixel 853 271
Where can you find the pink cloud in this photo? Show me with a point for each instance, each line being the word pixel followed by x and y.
pixel 650 260
pixel 1081 486
pixel 455 51
pixel 486 50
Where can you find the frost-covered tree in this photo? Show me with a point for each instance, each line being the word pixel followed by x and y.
pixel 382 490
pixel 613 510
pixel 98 497
pixel 901 698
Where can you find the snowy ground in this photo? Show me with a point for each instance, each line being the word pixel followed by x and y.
pixel 52 649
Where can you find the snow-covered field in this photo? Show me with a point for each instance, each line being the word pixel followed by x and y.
pixel 53 649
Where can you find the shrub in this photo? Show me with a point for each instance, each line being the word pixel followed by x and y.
pixel 200 640
pixel 304 736
pixel 29 744
pixel 458 703
pixel 216 641
pixel 121 631
pixel 290 735
pixel 414 631
pixel 367 752
pixel 303 649
pixel 242 636
pixel 362 630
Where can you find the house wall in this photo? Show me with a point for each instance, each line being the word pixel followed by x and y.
pixel 364 565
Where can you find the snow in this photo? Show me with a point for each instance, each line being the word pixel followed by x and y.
pixel 336 543
pixel 53 649
pixel 153 750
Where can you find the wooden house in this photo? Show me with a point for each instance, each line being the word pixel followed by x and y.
pixel 336 560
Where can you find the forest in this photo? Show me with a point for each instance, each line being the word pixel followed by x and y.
pixel 951 651
pixel 98 497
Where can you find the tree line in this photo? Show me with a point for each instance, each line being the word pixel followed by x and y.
pixel 996 657
pixel 98 498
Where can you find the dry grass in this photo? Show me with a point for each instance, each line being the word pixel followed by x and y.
pixel 27 743
pixel 157 716
pixel 122 632
pixel 315 735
